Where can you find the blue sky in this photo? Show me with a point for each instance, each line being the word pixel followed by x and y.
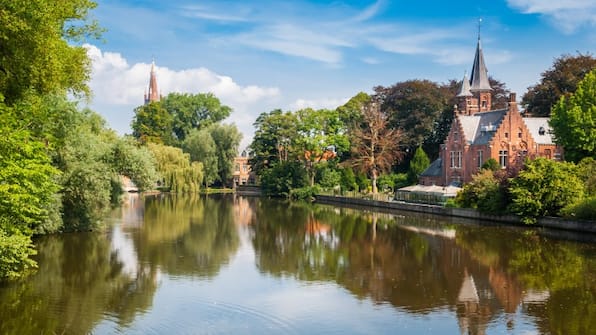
pixel 260 55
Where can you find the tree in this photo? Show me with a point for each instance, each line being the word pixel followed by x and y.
pixel 193 111
pixel 375 146
pixel 273 139
pixel 543 188
pixel 178 174
pixel 574 120
pixel 350 111
pixel 227 139
pixel 418 164
pixel 560 80
pixel 413 106
pixel 129 159
pixel 37 50
pixel 152 124
pixel 485 192
pixel 500 94
pixel 201 147
pixel 321 135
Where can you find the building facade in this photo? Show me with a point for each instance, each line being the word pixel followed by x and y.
pixel 478 134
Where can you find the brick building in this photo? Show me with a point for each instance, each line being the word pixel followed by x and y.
pixel 242 174
pixel 478 133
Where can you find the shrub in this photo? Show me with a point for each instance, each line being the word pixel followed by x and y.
pixel 15 249
pixel 543 188
pixel 304 193
pixel 484 192
pixel 585 209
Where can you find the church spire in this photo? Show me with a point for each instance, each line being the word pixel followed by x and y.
pixel 153 94
pixel 479 77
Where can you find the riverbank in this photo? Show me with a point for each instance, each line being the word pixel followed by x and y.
pixel 546 222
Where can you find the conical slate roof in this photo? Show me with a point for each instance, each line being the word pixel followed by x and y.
pixel 464 90
pixel 479 78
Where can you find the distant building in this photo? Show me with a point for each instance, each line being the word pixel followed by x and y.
pixel 152 94
pixel 242 174
pixel 478 133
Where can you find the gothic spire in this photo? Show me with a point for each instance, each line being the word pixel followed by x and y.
pixel 153 94
pixel 479 77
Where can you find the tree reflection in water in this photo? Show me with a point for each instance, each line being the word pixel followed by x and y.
pixel 416 264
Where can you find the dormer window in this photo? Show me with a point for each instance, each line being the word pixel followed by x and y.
pixel 541 131
pixel 455 136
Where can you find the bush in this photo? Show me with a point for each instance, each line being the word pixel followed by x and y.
pixel 491 164
pixel 304 193
pixel 585 209
pixel 484 192
pixel 282 177
pixel 543 188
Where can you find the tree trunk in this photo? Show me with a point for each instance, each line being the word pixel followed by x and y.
pixel 374 181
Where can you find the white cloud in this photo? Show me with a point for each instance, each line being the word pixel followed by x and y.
pixel 324 103
pixel 117 85
pixel 567 15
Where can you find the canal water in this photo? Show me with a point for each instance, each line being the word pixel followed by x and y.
pixel 226 264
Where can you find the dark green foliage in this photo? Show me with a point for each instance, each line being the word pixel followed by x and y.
pixel 328 176
pixel 586 171
pixel 348 179
pixel 543 188
pixel 418 164
pixel 484 192
pixel 152 124
pixel 282 177
pixel 560 80
pixel 584 209
pixel 304 193
pixel 574 120
pixel 491 164
pixel 393 181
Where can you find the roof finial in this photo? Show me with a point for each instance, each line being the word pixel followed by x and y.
pixel 479 23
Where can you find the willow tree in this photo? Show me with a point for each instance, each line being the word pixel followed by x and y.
pixel 375 146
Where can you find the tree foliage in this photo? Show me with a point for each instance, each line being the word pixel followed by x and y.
pixel 418 164
pixel 200 146
pixel 275 132
pixel 560 80
pixel 375 146
pixel 226 138
pixel 36 53
pixel 153 124
pixel 485 192
pixel 574 120
pixel 177 173
pixel 543 188
pixel 193 111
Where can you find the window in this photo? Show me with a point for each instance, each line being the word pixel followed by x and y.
pixel 483 103
pixel 506 135
pixel 455 159
pixel 237 167
pixel 503 158
pixel 519 135
pixel 455 136
pixel 480 153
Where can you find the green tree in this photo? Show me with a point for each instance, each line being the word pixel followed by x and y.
pixel 282 177
pixel 543 188
pixel 136 162
pixel 560 80
pixel 227 139
pixel 418 164
pixel 273 139
pixel 152 124
pixel 37 52
pixel 201 147
pixel 350 111
pixel 321 134
pixel 193 111
pixel 177 173
pixel 574 120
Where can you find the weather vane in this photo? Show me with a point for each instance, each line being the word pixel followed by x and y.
pixel 479 23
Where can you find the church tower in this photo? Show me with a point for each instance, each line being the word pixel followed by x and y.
pixel 475 95
pixel 152 95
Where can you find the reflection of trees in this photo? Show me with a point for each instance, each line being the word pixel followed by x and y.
pixel 187 235
pixel 79 274
pixel 564 272
pixel 415 264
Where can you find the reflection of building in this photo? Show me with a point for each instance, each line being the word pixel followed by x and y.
pixel 242 174
pixel 479 133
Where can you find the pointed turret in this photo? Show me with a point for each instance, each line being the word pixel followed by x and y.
pixel 153 94
pixel 464 90
pixel 479 78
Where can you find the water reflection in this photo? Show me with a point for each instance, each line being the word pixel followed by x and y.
pixel 485 279
pixel 417 264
